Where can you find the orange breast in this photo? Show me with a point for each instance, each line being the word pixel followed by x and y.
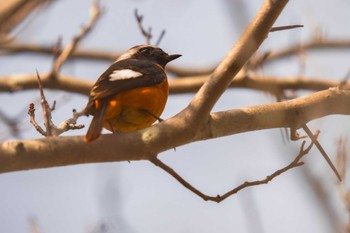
pixel 133 110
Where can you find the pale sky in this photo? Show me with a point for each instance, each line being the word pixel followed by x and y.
pixel 139 197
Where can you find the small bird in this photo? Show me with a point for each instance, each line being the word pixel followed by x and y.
pixel 131 94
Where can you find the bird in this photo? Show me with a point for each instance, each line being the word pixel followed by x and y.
pixel 131 94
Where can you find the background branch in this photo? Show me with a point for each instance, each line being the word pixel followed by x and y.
pixel 275 55
pixel 95 12
pixel 12 12
pixel 78 85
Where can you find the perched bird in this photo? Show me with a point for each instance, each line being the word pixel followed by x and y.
pixel 131 94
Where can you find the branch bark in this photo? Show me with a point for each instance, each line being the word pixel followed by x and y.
pixel 12 12
pixel 140 145
pixel 190 84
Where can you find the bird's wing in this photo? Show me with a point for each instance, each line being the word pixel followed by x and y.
pixel 123 76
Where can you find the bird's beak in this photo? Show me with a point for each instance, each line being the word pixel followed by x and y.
pixel 169 58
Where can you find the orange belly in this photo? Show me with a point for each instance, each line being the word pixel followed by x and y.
pixel 133 110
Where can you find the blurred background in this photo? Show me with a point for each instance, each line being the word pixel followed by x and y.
pixel 139 197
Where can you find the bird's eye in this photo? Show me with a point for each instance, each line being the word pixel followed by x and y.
pixel 145 51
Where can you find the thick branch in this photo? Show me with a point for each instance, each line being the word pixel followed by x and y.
pixel 288 114
pixel 12 12
pixel 62 151
pixel 15 83
pixel 247 44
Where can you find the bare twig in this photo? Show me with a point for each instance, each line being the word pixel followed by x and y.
pixel 31 113
pixel 281 28
pixel 322 151
pixel 71 124
pixel 254 35
pixel 160 37
pixel 95 12
pixel 51 128
pixel 46 109
pixel 271 84
pixel 312 45
pixel 146 33
pixel 219 198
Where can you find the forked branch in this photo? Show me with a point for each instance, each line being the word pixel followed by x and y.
pixel 322 151
pixel 51 128
pixel 219 198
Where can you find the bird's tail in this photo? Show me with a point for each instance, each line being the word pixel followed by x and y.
pixel 96 125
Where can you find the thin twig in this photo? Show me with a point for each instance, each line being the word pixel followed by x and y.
pixel 160 37
pixel 46 109
pixel 51 128
pixel 312 45
pixel 254 35
pixel 272 84
pixel 171 172
pixel 146 33
pixel 71 124
pixel 219 198
pixel 31 114
pixel 95 12
pixel 322 151
pixel 281 28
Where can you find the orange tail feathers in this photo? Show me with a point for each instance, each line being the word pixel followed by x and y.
pixel 96 124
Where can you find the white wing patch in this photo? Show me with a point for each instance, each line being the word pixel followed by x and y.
pixel 124 74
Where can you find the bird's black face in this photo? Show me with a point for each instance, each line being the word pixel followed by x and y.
pixel 151 53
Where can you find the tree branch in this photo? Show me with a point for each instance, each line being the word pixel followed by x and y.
pixel 12 12
pixel 245 47
pixel 140 145
pixel 312 45
pixel 17 47
pixel 95 12
pixel 322 151
pixel 13 83
pixel 219 198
